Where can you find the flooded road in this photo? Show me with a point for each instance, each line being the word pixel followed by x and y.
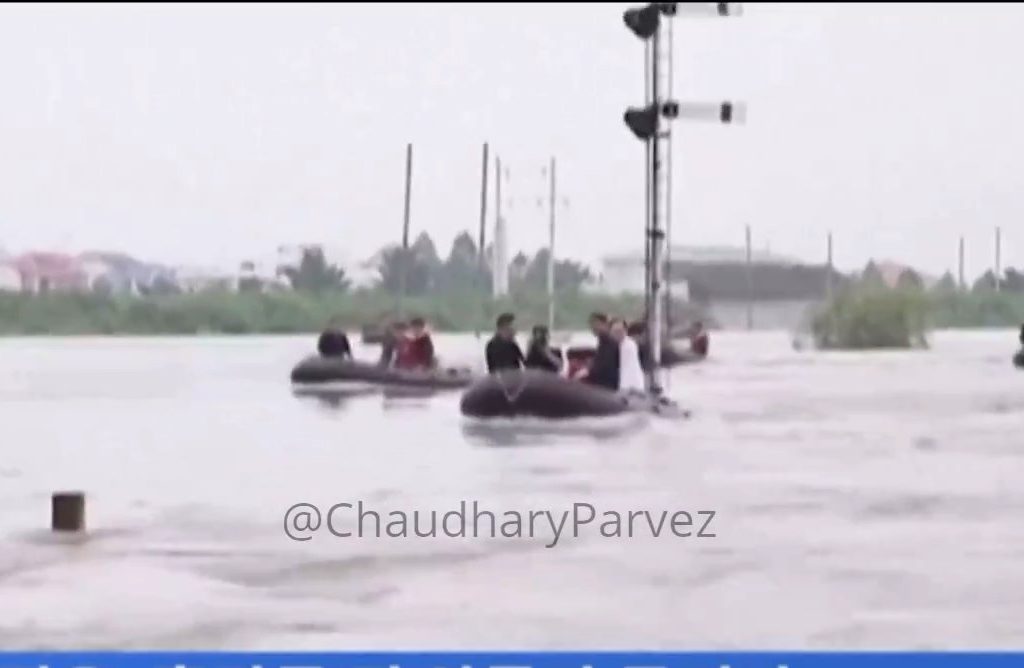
pixel 859 500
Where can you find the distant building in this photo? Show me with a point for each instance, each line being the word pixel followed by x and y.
pixel 122 273
pixel 778 289
pixel 893 272
pixel 51 272
pixel 10 277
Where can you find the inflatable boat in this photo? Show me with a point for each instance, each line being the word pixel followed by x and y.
pixel 316 370
pixel 534 393
pixel 671 356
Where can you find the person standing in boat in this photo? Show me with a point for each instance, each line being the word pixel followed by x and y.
pixel 539 354
pixel 1018 359
pixel 502 351
pixel 631 375
pixel 603 370
pixel 393 338
pixel 334 342
pixel 638 332
pixel 416 350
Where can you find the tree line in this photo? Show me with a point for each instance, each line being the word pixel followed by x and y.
pixel 1010 281
pixel 419 271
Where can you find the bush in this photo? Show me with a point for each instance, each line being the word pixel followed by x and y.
pixel 868 316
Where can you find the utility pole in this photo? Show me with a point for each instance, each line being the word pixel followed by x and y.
pixel 483 225
pixel 552 200
pixel 499 259
pixel 999 259
pixel 829 269
pixel 405 259
pixel 960 268
pixel 645 123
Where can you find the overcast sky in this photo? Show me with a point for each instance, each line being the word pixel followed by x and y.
pixel 207 133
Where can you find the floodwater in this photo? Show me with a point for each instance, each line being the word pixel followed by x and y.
pixel 860 500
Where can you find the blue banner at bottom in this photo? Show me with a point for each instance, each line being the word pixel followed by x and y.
pixel 509 659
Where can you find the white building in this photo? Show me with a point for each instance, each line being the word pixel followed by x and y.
pixel 623 274
pixel 10 277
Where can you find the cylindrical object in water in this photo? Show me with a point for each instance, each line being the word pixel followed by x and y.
pixel 67 511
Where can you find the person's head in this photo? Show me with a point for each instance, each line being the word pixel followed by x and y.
pixel 539 335
pixel 699 326
pixel 505 325
pixel 598 323
pixel 617 329
pixel 635 330
pixel 417 326
pixel 398 328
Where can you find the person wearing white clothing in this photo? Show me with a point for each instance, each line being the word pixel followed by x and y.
pixel 631 375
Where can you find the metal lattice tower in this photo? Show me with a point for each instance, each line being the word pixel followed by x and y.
pixel 650 124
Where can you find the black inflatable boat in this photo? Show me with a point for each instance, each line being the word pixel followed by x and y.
pixel 323 370
pixel 671 356
pixel 534 393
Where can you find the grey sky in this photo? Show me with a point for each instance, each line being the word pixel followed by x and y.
pixel 209 133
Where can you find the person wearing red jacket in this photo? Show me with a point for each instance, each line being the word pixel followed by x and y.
pixel 416 351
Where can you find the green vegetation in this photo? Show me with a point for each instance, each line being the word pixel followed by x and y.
pixel 976 309
pixel 279 312
pixel 868 314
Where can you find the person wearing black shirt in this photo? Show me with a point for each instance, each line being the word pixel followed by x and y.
pixel 1018 359
pixel 604 368
pixel 502 350
pixel 539 355
pixel 389 346
pixel 333 342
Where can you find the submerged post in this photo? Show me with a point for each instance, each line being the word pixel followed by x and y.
pixel 67 511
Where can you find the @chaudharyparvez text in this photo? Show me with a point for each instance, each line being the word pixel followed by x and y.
pixel 302 521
